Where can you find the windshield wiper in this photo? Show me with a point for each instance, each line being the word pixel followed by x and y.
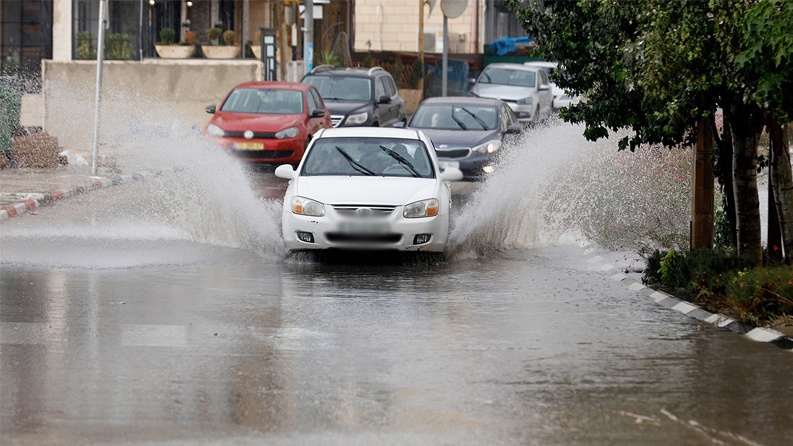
pixel 478 119
pixel 355 165
pixel 401 160
pixel 460 123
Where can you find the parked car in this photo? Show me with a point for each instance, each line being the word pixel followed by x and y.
pixel 560 97
pixel 468 133
pixel 525 89
pixel 268 122
pixel 359 96
pixel 364 188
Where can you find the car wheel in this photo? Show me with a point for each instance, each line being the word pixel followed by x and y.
pixel 536 114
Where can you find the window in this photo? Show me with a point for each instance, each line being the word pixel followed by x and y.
pixel 25 35
pixel 122 37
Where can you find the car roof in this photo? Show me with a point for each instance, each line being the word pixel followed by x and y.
pixel 369 132
pixel 461 100
pixel 274 85
pixel 329 70
pixel 540 63
pixel 515 66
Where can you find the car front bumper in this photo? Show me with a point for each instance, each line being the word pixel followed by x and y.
pixel 276 151
pixel 394 232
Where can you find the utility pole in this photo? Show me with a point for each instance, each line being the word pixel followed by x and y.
pixel 100 56
pixel 421 46
pixel 308 41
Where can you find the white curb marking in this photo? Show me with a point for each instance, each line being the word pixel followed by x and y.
pixel 762 334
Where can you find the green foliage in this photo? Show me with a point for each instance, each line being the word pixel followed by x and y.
pixel 10 109
pixel 670 269
pixel 118 46
pixel 760 294
pixel 368 60
pixel 328 58
pixel 213 34
pixel 416 74
pixel 167 36
pixel 86 45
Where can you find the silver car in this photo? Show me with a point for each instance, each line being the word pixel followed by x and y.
pixel 525 89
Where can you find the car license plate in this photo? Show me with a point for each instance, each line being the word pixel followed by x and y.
pixel 249 145
pixel 447 164
pixel 364 227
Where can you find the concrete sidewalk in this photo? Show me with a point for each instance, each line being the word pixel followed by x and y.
pixel 24 190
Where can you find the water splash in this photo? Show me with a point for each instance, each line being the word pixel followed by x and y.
pixel 555 187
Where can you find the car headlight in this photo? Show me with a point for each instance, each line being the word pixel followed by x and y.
pixel 488 147
pixel 291 132
pixel 214 130
pixel 358 118
pixel 424 208
pixel 307 206
pixel 525 101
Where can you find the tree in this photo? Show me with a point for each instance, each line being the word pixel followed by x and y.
pixel 658 67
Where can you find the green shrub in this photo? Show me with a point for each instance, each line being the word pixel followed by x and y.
pixel 760 294
pixel 167 36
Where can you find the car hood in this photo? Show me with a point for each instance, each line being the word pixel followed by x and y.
pixel 505 92
pixel 258 122
pixel 366 190
pixel 344 107
pixel 460 138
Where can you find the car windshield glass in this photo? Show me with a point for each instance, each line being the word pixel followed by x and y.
pixel 378 156
pixel 455 117
pixel 341 88
pixel 257 100
pixel 507 76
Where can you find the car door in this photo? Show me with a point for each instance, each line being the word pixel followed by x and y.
pixel 397 103
pixel 383 112
pixel 315 102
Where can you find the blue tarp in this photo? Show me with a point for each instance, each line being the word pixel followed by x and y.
pixel 508 45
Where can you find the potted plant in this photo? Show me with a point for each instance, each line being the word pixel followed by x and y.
pixel 225 49
pixel 167 49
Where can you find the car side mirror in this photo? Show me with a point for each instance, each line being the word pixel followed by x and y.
pixel 384 99
pixel 317 113
pixel 285 171
pixel 514 128
pixel 399 125
pixel 451 174
pixel 544 87
pixel 210 109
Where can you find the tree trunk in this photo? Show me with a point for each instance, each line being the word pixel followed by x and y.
pixel 746 122
pixel 782 184
pixel 723 172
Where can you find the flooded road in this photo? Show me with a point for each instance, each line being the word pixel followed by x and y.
pixel 167 312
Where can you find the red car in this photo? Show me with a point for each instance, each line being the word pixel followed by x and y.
pixel 268 122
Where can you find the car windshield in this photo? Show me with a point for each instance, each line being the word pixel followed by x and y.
pixel 264 101
pixel 342 88
pixel 370 156
pixel 455 117
pixel 508 76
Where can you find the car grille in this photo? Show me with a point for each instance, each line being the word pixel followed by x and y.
pixel 264 154
pixel 263 135
pixel 336 237
pixel 351 210
pixel 453 153
pixel 336 120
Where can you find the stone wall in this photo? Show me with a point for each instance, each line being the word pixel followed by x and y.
pixel 153 94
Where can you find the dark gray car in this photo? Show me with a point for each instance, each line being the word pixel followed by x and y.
pixel 359 97
pixel 468 133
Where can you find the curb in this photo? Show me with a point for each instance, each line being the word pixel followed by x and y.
pixel 758 334
pixel 29 205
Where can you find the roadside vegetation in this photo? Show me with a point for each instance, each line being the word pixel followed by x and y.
pixel 662 73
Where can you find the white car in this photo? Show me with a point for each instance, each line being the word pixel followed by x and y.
pixel 560 97
pixel 525 89
pixel 367 188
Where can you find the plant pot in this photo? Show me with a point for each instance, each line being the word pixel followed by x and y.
pixel 221 52
pixel 257 51
pixel 175 51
